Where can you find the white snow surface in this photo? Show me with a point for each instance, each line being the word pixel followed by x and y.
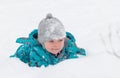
pixel 94 23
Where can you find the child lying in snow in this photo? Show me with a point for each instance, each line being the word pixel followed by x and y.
pixel 48 45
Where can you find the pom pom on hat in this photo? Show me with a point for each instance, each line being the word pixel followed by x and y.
pixel 50 28
pixel 49 16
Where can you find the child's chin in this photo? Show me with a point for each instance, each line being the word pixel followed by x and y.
pixel 55 52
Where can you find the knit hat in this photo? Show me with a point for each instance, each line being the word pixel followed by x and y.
pixel 50 28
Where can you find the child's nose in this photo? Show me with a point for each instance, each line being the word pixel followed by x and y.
pixel 55 44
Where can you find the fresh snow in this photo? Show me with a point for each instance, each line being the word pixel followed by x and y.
pixel 94 23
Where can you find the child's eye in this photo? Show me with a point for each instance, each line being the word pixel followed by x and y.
pixel 51 41
pixel 61 40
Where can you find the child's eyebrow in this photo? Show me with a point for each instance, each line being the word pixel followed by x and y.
pixel 60 39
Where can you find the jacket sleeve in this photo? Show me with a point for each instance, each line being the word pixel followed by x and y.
pixel 23 53
pixel 72 48
pixel 31 53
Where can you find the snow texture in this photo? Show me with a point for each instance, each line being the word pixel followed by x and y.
pixel 94 23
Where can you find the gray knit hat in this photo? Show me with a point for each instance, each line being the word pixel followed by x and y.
pixel 50 28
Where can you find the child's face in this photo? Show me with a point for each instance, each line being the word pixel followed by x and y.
pixel 54 46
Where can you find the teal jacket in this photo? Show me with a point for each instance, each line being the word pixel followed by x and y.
pixel 32 52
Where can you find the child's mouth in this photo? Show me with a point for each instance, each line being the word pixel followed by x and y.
pixel 55 50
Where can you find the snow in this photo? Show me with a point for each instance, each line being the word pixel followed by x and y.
pixel 94 23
